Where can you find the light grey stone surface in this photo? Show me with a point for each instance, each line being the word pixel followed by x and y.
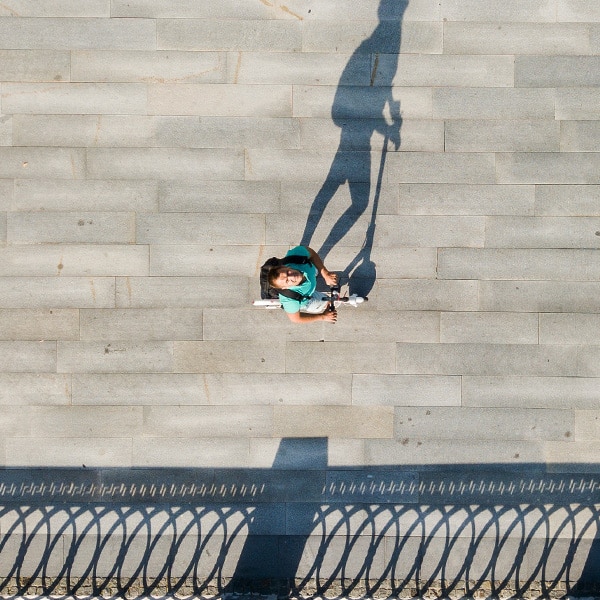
pixel 141 324
pixel 518 263
pixel 189 9
pixel 516 38
pixel 392 263
pixel 227 132
pixel 74 98
pixel 37 543
pixel 354 326
pixel 51 291
pixel 540 296
pixel 145 389
pixel 579 136
pixel 28 324
pixel 68 452
pixel 202 452
pixel 70 228
pixel 188 228
pixel 339 357
pixel 569 328
pixel 586 425
pixel 302 68
pixel 298 165
pixel 6 193
pixel 495 104
pixel 473 423
pixel 489 327
pixel 178 292
pixel 503 136
pixel 114 357
pixel 430 231
pixel 84 195
pixel 511 11
pixel 542 232
pixel 38 163
pixel 208 421
pixel 224 357
pixel 595 37
pixel 307 389
pixel 56 8
pixel 164 163
pixel 489 359
pixel 34 389
pixel 577 103
pixel 28 357
pixel 220 196
pixel 456 167
pixel 423 37
pixel 450 70
pixel 240 35
pixel 577 10
pixel 437 452
pixel 334 421
pixel 406 390
pixel 84 130
pixel 5 130
pixel 531 392
pixel 153 154
pixel 451 199
pixel 147 67
pixel 69 260
pixel 78 33
pixel 220 100
pixel 189 260
pixel 567 200
pixel 432 294
pixel 34 65
pixel 84 421
pixel 557 71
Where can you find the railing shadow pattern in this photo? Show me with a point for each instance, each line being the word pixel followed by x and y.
pixel 455 548
pixel 499 528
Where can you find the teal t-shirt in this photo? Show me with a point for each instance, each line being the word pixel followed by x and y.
pixel 307 288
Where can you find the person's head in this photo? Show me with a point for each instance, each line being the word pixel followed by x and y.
pixel 282 278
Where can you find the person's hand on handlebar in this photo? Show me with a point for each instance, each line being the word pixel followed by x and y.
pixel 330 316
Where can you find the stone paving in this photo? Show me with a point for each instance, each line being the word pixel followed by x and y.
pixel 444 155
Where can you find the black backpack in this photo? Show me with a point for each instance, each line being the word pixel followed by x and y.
pixel 268 292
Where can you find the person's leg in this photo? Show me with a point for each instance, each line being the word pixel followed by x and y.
pixel 326 193
pixel 359 195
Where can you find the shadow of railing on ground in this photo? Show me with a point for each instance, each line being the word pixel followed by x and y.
pixel 453 529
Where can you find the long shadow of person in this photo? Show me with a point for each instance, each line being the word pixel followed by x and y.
pixel 265 556
pixel 360 111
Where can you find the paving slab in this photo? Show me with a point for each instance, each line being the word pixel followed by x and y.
pixel 159 433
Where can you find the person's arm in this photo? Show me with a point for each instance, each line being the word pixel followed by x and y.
pixel 298 317
pixel 391 130
pixel 331 279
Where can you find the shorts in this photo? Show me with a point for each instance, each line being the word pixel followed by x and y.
pixel 318 303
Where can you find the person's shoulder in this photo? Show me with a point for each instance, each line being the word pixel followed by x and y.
pixel 298 251
pixel 289 305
